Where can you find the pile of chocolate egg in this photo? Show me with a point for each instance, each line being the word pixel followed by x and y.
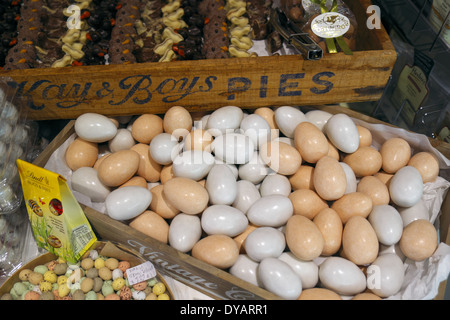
pixel 299 203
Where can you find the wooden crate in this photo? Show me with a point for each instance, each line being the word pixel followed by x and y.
pixel 66 93
pixel 201 276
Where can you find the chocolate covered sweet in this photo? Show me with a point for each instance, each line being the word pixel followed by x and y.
pixel 215 32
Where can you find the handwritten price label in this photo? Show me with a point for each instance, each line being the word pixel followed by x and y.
pixel 141 273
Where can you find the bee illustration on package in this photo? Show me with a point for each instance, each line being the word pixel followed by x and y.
pixel 58 222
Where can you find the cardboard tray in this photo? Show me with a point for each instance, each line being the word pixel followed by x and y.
pixel 201 276
pixel 66 93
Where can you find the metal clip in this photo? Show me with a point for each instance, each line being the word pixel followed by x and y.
pixel 294 36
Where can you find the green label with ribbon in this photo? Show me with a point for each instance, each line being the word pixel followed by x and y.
pixel 331 26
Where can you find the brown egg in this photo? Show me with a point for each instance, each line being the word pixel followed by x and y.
pixel 146 127
pixel 307 203
pixel 359 241
pixel 81 153
pixel 310 141
pixel 177 121
pixel 353 204
pixel 303 238
pixel 375 189
pixel 100 159
pixel 427 164
pixel 198 139
pixel 166 173
pixel 160 205
pixel 281 157
pixel 366 161
pixel 302 178
pixel 419 240
pixel 218 250
pixel 186 195
pixel 268 115
pixel 318 294
pixel 135 181
pixel 333 152
pixel 329 179
pixel 152 225
pixel 366 296
pixel 365 136
pixel 118 168
pixel 240 239
pixel 384 177
pixel 330 225
pixel 149 169
pixel 395 153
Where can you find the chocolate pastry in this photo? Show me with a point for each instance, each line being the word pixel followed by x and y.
pixel 215 31
pixel 123 35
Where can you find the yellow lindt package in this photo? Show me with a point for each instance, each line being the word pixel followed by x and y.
pixel 58 222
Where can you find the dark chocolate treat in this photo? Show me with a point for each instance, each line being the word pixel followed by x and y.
pixel 215 32
pixel 22 56
pixel 293 9
pixel 258 13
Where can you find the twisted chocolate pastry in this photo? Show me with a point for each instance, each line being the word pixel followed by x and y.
pixel 149 30
pixel 215 31
pixel 121 45
pixel 23 54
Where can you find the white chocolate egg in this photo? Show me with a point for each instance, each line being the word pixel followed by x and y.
pixel 318 117
pixel 351 178
pixel 233 148
pixel 342 276
pixel 247 194
pixel 342 132
pixel 246 269
pixel 221 185
pixel 224 119
pixel 255 170
pixel 385 275
pixel 127 202
pixel 264 242
pixel 164 147
pixel 279 278
pixel 193 164
pixel 223 219
pixel 406 187
pixel 257 128
pixel 95 127
pixel 270 211
pixel 275 184
pixel 387 223
pixel 308 271
pixel 287 119
pixel 184 232
pixel 85 180
pixel 123 140
pixel 415 212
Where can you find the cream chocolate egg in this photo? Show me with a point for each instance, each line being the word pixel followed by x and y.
pixel 359 241
pixel 419 240
pixel 330 180
pixel 302 178
pixel 269 115
pixel 118 168
pixel 353 204
pixel 427 165
pixel 281 157
pixel 198 139
pixel 365 161
pixel 375 189
pixel 177 121
pixel 307 203
pixel 81 153
pixel 160 205
pixel 395 153
pixel 146 127
pixel 152 225
pixel 310 141
pixel 148 168
pixel 186 195
pixel 365 136
pixel 330 225
pixel 218 250
pixel 303 238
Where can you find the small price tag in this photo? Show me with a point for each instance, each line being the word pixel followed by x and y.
pixel 141 273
